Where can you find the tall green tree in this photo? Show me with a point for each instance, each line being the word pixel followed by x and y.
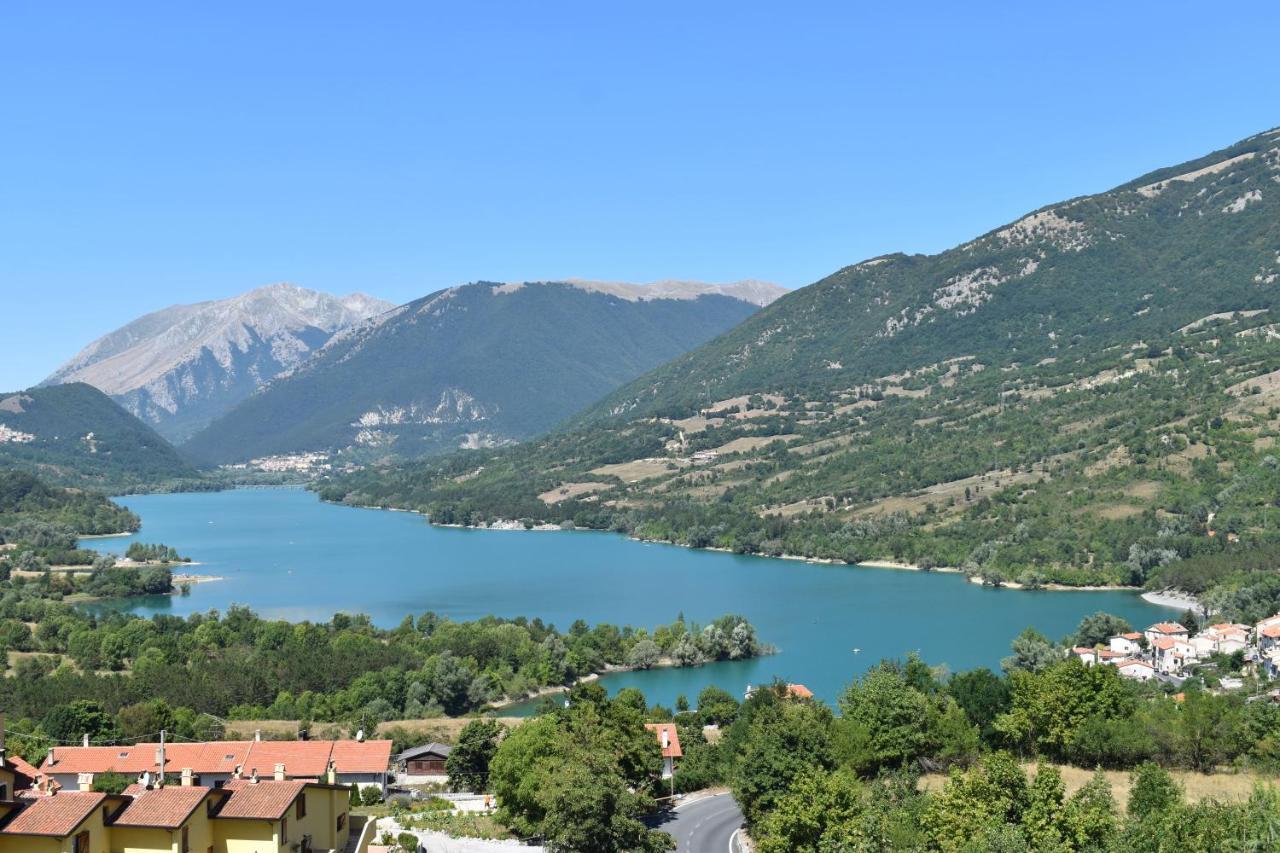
pixel 468 762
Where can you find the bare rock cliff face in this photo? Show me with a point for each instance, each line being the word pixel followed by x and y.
pixel 181 367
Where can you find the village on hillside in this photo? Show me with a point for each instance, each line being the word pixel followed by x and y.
pixel 1168 651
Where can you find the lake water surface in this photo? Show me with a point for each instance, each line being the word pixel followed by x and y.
pixel 288 555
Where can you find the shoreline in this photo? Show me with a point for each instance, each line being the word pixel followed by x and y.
pixel 511 524
pixel 1174 599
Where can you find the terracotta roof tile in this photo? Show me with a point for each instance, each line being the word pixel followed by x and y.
pixel 1167 628
pixel 799 691
pixel 299 757
pixel 370 756
pixel 57 816
pixel 19 765
pixel 167 807
pixel 672 749
pixel 265 800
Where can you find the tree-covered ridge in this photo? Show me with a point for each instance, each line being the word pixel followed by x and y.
pixel 1109 412
pixel 482 363
pixel 76 435
pixel 1070 279
pixel 25 497
pixel 240 666
pixel 40 525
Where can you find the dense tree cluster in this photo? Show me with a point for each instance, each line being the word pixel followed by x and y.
pixel 347 670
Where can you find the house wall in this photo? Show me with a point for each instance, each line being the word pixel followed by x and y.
pixel 364 780
pixel 245 836
pixel 128 839
pixel 426 767
pixel 9 780
pixel 27 844
pixel 202 834
pixel 323 808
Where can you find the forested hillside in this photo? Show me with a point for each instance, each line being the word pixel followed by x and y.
pixel 74 434
pixel 1085 396
pixel 478 365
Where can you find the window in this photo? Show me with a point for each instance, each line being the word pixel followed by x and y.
pixel 4 791
pixel 186 839
pixel 300 807
pixel 342 821
pixel 81 844
pixel 284 830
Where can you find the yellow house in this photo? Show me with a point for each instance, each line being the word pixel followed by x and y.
pixel 71 822
pixel 273 816
pixel 245 816
pixel 172 820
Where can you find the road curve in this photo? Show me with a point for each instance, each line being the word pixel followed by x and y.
pixel 705 825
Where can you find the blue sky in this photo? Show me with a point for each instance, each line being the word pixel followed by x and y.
pixel 174 152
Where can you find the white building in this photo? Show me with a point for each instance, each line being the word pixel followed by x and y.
pixel 1126 644
pixel 1136 669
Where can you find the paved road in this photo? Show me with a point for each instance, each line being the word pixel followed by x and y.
pixel 707 825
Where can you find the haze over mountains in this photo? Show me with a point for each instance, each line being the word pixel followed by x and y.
pixel 182 366
pixel 1070 397
pixel 476 365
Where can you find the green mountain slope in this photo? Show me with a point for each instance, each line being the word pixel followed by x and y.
pixel 24 498
pixel 74 434
pixel 480 364
pixel 1083 396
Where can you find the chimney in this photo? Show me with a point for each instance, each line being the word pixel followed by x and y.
pixel 253 776
pixel 84 739
pixel 238 771
pixel 53 759
pixel 257 735
pixel 187 779
pixel 331 773
pixel 145 779
pixel 84 781
pixel 666 738
pixel 360 736
pixel 160 762
pixel 3 754
pixel 278 775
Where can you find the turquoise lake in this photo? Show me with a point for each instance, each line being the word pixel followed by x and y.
pixel 287 555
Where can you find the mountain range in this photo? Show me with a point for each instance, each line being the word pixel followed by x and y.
pixel 478 365
pixel 1079 396
pixel 181 367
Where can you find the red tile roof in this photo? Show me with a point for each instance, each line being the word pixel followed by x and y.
pixel 1132 635
pixel 1270 631
pixel 86 759
pixel 672 749
pixel 1167 628
pixel 57 816
pixel 300 758
pixel 1123 663
pixel 167 807
pixel 370 756
pixel 264 800
pixel 799 691
pixel 1164 643
pixel 18 764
